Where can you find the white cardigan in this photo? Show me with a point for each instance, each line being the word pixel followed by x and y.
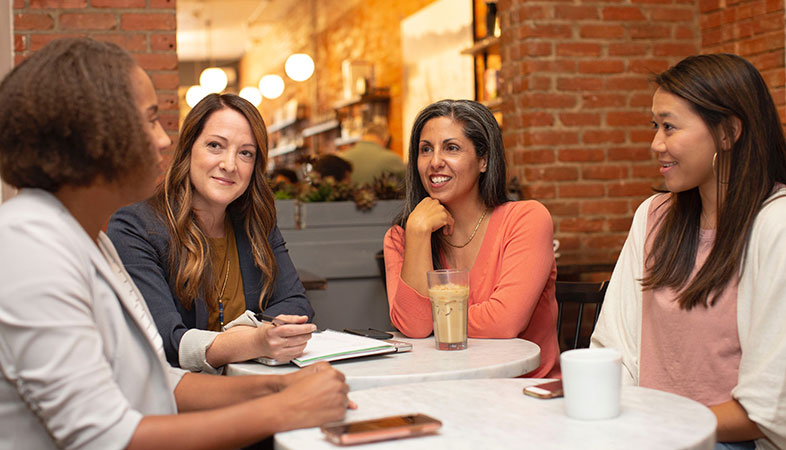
pixel 761 313
pixel 80 357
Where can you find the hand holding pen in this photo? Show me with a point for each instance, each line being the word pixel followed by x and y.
pixel 284 337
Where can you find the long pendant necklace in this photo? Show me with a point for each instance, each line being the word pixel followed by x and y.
pixel 471 236
pixel 223 288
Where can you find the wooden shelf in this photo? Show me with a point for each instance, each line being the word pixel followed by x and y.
pixel 346 141
pixel 494 104
pixel 481 45
pixel 377 96
pixel 320 128
pixel 278 126
pixel 282 150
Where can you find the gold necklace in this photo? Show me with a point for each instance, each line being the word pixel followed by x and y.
pixel 471 236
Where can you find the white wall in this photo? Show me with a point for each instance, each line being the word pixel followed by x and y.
pixel 6 63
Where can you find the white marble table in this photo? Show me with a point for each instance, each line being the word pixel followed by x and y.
pixel 483 358
pixel 493 413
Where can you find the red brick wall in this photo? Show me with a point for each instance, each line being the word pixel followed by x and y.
pixel 753 29
pixel 576 111
pixel 146 28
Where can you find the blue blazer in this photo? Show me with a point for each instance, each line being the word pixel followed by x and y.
pixel 142 240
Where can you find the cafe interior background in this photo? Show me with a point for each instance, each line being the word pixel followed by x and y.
pixel 567 80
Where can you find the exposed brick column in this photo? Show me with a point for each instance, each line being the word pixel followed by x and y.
pixel 146 28
pixel 576 114
pixel 753 29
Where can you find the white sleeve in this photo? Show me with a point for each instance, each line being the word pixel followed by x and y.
pixel 51 349
pixel 619 324
pixel 192 353
pixel 761 310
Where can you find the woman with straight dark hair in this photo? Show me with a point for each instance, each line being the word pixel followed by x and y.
pixel 82 364
pixel 457 215
pixel 205 250
pixel 696 300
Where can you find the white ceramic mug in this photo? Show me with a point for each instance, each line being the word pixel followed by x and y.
pixel 591 379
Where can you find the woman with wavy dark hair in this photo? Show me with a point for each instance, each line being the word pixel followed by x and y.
pixel 82 364
pixel 456 215
pixel 696 300
pixel 205 250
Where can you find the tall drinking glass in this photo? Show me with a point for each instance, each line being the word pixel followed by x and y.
pixel 448 290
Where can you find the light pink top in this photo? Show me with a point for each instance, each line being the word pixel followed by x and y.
pixel 693 353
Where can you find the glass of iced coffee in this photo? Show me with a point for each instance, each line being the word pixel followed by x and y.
pixel 448 290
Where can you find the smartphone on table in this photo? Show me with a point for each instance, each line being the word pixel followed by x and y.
pixel 550 389
pixel 393 427
pixel 371 333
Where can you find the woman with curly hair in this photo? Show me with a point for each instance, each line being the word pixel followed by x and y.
pixel 205 250
pixel 82 364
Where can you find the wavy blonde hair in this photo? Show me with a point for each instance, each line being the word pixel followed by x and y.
pixel 189 251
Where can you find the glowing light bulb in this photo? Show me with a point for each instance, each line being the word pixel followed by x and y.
pixel 271 86
pixel 194 94
pixel 251 94
pixel 299 66
pixel 213 79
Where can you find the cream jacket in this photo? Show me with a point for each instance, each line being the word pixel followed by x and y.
pixel 761 311
pixel 80 356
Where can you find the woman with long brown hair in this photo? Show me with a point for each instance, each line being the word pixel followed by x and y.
pixel 696 300
pixel 205 250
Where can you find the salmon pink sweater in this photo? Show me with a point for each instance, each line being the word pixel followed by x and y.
pixel 511 284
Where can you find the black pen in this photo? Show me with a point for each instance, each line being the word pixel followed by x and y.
pixel 276 322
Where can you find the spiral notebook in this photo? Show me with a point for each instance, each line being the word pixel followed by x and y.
pixel 330 345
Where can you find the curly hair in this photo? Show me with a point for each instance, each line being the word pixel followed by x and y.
pixel 189 257
pixel 68 116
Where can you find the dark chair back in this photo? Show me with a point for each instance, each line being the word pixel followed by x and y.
pixel 380 257
pixel 576 295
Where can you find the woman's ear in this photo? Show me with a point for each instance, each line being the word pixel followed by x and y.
pixel 735 127
pixel 484 162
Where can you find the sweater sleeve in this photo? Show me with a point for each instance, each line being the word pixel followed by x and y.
pixel 527 242
pixel 619 324
pixel 410 312
pixel 138 239
pixel 761 386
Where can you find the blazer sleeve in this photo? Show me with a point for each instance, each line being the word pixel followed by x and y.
pixel 410 312
pixel 288 296
pixel 142 242
pixel 761 384
pixel 619 324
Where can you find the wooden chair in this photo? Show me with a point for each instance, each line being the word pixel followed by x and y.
pixel 579 293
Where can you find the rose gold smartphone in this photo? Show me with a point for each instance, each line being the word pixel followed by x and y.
pixel 551 389
pixel 394 427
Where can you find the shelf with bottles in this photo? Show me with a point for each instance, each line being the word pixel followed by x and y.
pixel 487 56
pixel 355 113
pixel 285 133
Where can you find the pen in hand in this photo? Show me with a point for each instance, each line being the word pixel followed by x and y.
pixel 273 320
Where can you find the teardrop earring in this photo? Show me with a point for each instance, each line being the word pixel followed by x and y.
pixel 714 161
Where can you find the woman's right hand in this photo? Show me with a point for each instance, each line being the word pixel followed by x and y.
pixel 316 395
pixel 287 341
pixel 429 216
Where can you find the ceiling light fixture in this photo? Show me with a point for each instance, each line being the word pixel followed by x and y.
pixel 271 86
pixel 299 66
pixel 251 94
